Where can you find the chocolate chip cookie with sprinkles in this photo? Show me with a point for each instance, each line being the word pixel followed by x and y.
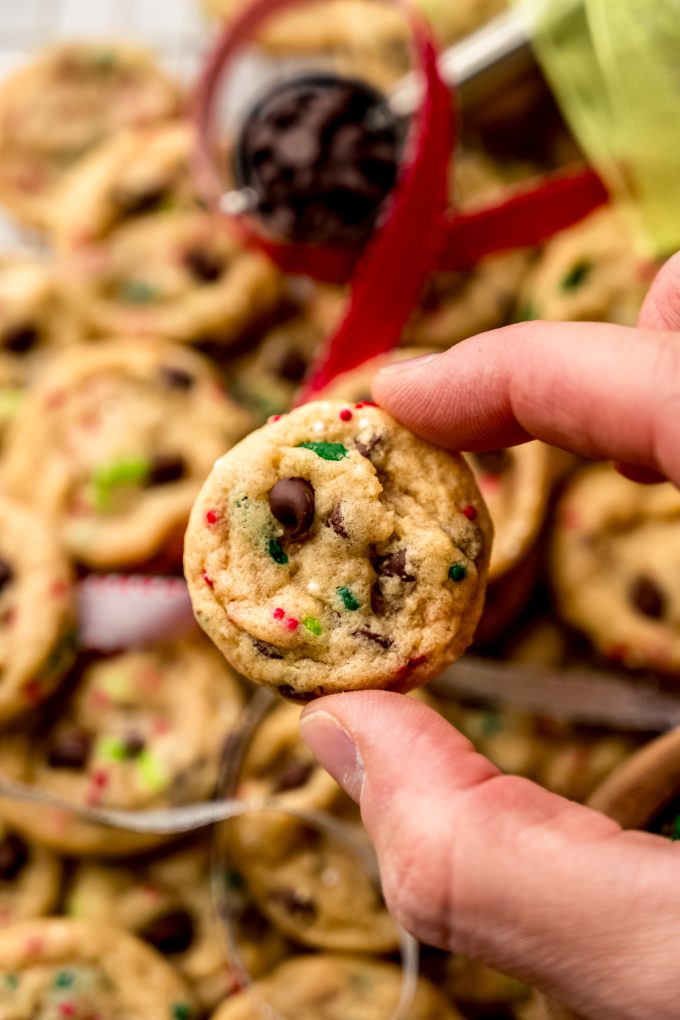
pixel 334 550
pixel 57 968
pixel 114 442
pixel 61 105
pixel 37 611
pixel 135 730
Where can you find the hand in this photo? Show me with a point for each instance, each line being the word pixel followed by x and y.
pixel 493 866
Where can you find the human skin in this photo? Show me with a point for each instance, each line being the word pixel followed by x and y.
pixel 484 864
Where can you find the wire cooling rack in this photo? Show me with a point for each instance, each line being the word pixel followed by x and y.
pixel 173 29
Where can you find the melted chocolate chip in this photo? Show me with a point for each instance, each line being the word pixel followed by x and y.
pixel 492 462
pixel 393 565
pixel 133 745
pixel 166 468
pixel 170 933
pixel 177 378
pixel 204 265
pixel 293 776
pixel 379 639
pixel 13 857
pixel 292 503
pixel 136 201
pixel 367 448
pixel 21 339
pixel 70 748
pixel 300 907
pixel 6 574
pixel 292 366
pixel 336 521
pixel 378 601
pixel 647 596
pixel 267 650
pixel 286 691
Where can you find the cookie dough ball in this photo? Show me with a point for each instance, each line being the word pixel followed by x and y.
pixel 30 878
pixel 59 107
pixel 37 613
pixel 136 730
pixel 590 272
pixel 615 560
pixel 335 988
pixel 114 441
pixel 334 550
pixel 59 968
pixel 168 902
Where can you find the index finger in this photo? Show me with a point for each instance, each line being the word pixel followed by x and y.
pixel 598 390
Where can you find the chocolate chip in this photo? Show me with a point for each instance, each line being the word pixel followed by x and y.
pixel 492 462
pixel 393 565
pixel 292 366
pixel 367 448
pixel 267 650
pixel 378 601
pixel 286 691
pixel 69 748
pixel 170 933
pixel 6 574
pixel 136 201
pixel 299 906
pixel 166 468
pixel 647 596
pixel 336 521
pixel 13 857
pixel 293 776
pixel 177 378
pixel 204 265
pixel 292 503
pixel 21 339
pixel 133 745
pixel 379 639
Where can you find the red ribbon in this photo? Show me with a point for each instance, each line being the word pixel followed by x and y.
pixel 420 233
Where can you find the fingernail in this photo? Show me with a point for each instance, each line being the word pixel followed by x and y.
pixel 406 364
pixel 335 750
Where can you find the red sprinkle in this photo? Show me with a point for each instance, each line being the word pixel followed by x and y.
pixel 278 614
pixel 208 580
pixel 274 417
pixel 161 727
pixel 470 512
pixel 346 414
pixel 212 516
pixel 292 623
pixel 100 778
pixel 366 403
pixel 99 699
pixel 67 1009
pixel 59 589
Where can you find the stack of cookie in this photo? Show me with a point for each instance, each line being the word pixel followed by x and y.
pixel 141 344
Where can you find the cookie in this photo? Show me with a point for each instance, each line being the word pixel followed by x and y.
pixel 136 730
pixel 181 274
pixel 335 988
pixel 590 272
pixel 114 442
pixel 266 380
pixel 30 878
pixel 61 105
pixel 168 902
pixel 57 968
pixel 37 612
pixel 615 556
pixel 333 550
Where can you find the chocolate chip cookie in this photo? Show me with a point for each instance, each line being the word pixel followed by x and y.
pixel 60 968
pixel 136 730
pixel 114 442
pixel 168 902
pixel 37 612
pixel 333 550
pixel 61 105
pixel 590 272
pixel 335 988
pixel 614 566
pixel 30 878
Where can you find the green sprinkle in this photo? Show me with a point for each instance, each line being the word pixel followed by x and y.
pixel 151 772
pixel 458 572
pixel 327 451
pixel 137 292
pixel 675 829
pixel 12 981
pixel 311 624
pixel 276 552
pixel 577 275
pixel 492 722
pixel 111 749
pixel 64 979
pixel 349 600
pixel 126 471
pixel 180 1011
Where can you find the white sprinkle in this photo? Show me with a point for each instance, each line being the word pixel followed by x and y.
pixel 364 423
pixel 313 588
pixel 318 427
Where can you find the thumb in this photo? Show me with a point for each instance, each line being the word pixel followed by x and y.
pixel 661 308
pixel 499 869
